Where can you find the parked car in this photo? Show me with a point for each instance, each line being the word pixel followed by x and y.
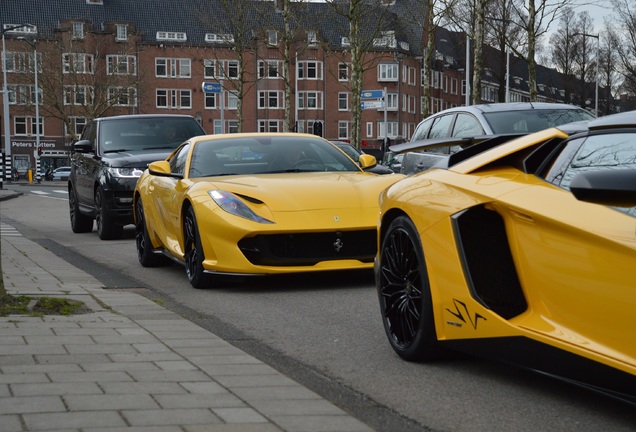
pixel 475 121
pixel 524 252
pixel 355 154
pixel 256 204
pixel 109 158
pixel 61 173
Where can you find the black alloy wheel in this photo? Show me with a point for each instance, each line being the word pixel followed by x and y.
pixel 106 228
pixel 404 293
pixel 80 223
pixel 145 254
pixel 193 251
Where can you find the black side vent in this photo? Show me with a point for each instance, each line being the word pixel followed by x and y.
pixel 487 261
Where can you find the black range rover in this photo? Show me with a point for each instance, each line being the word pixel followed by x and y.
pixel 109 158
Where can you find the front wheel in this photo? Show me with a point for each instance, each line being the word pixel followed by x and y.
pixel 80 223
pixel 404 293
pixel 146 256
pixel 193 251
pixel 106 228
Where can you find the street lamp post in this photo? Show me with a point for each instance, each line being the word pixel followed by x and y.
pixel 5 103
pixel 37 107
pixel 598 58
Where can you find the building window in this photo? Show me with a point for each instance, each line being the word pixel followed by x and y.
pixel 78 124
pixel 174 98
pixel 343 71
pixel 270 99
pixel 343 101
pixel 272 37
pixel 271 69
pixel 270 125
pixel 78 95
pixel 210 101
pixel 172 36
pixel 21 62
pixel 232 100
pixel 121 32
pixel 392 128
pixel 463 87
pixel 388 72
pixel 78 63
pixel 25 29
pixel 219 38
pixel 344 41
pixel 369 130
pixel 121 65
pixel 309 100
pixel 173 68
pixel 392 101
pixel 122 96
pixel 312 38
pixel 309 70
pixel 343 129
pixel 22 94
pixel 77 30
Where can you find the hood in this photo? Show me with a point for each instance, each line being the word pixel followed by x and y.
pixel 306 191
pixel 134 159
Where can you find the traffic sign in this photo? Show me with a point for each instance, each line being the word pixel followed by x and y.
pixel 371 94
pixel 371 104
pixel 208 87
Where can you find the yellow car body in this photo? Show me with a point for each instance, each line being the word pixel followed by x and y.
pixel 303 220
pixel 513 267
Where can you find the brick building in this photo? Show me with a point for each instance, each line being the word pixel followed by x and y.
pixel 109 57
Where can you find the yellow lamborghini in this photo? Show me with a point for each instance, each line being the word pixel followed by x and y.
pixel 256 204
pixel 523 252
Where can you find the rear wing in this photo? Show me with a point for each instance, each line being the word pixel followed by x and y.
pixel 425 154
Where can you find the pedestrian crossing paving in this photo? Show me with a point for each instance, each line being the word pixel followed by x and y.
pixel 8 231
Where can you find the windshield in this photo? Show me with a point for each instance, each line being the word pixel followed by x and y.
pixel 266 154
pixel 146 133
pixel 533 120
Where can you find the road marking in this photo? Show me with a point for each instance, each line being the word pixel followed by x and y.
pixel 8 231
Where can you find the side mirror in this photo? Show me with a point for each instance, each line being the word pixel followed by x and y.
pixel 83 146
pixel 161 169
pixel 608 187
pixel 367 161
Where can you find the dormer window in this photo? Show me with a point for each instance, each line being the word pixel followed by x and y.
pixel 121 32
pixel 219 38
pixel 272 37
pixel 344 41
pixel 312 38
pixel 172 36
pixel 77 30
pixel 95 2
pixel 18 28
pixel 387 40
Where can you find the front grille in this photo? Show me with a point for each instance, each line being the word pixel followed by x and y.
pixel 306 249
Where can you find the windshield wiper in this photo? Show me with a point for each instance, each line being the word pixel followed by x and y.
pixel 116 151
pixel 159 148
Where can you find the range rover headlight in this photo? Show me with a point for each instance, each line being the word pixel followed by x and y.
pixel 126 172
pixel 233 205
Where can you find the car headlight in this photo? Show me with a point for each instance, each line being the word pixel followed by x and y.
pixel 231 204
pixel 126 172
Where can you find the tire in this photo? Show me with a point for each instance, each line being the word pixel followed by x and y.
pixel 193 252
pixel 80 223
pixel 106 228
pixel 145 254
pixel 405 296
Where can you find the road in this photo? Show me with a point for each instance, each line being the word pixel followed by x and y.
pixel 325 332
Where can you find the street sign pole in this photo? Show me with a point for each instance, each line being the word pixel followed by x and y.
pixel 216 88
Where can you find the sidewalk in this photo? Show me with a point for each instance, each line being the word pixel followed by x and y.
pixel 132 365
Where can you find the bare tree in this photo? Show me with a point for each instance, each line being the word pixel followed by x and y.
pixel 233 24
pixel 608 63
pixel 91 80
pixel 562 44
pixel 585 53
pixel 365 20
pixel 626 49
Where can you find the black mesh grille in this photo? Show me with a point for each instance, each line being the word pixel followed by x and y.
pixel 308 249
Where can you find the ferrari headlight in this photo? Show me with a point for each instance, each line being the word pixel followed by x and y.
pixel 231 204
pixel 126 172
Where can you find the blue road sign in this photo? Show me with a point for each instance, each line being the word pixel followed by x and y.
pixel 371 94
pixel 372 104
pixel 208 87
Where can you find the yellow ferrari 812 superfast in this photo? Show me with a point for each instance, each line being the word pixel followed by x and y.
pixel 522 251
pixel 256 204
